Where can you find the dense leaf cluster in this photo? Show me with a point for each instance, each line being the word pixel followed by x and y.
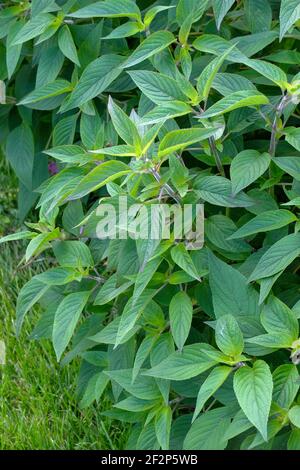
pixel 184 101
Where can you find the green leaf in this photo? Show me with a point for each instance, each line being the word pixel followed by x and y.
pixel 100 176
pixel 94 390
pixel 264 222
pixel 270 71
pixel 67 45
pixel 286 385
pixel 238 425
pixel 191 362
pixel 144 276
pixel 111 289
pixel 20 153
pixel 289 14
pixel 152 12
pixel 217 230
pixel 208 431
pixel 69 154
pixel 179 139
pixel 153 44
pixel 33 28
pixel 117 150
pixel 290 165
pixel 17 236
pixel 181 313
pixel 278 257
pixel 207 76
pixel 97 76
pixel 91 131
pixel 109 9
pixel 42 6
pixel 272 341
pixel 29 295
pixel 58 276
pixel 251 44
pixel 294 415
pixel 158 87
pixel 124 126
pixel 50 90
pixel 144 388
pixel 64 131
pixel 58 182
pixel 236 100
pixel 142 354
pixel 193 7
pixel 258 14
pixel 163 421
pixel 134 404
pixel 253 388
pixel 292 136
pixel 13 52
pixel 227 83
pixel 183 259
pixel 73 254
pixel 131 313
pixel 217 45
pixel 109 333
pixel 294 440
pixel 218 191
pixel 66 319
pixel 40 243
pixel 276 317
pixel 220 8
pixel 246 167
pixel 168 111
pixel 229 337
pixel 213 382
pixel 124 30
pixel 232 295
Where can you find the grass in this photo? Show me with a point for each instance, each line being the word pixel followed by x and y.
pixel 38 409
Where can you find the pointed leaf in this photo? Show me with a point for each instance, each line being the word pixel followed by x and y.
pixel 124 126
pixel 66 318
pixel 289 14
pixel 236 100
pixel 67 45
pixel 181 313
pixel 253 388
pixel 109 9
pixel 179 139
pixel 246 167
pixel 229 337
pixel 97 76
pixel 158 87
pixel 264 222
pixel 153 44
pixel 277 257
pixel 213 382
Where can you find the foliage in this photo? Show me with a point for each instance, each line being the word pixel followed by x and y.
pixel 184 101
pixel 33 387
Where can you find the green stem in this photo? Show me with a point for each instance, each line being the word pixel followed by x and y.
pixel 166 186
pixel 274 139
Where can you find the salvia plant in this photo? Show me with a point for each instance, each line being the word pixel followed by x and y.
pixel 181 102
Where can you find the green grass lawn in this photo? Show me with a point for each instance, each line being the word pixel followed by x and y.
pixel 37 405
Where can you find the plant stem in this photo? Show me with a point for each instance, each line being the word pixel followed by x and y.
pixel 166 186
pixel 274 139
pixel 214 151
pixel 279 109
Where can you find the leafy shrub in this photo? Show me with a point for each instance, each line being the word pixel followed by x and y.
pixel 182 101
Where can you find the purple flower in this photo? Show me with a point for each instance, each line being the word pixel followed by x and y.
pixel 52 168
